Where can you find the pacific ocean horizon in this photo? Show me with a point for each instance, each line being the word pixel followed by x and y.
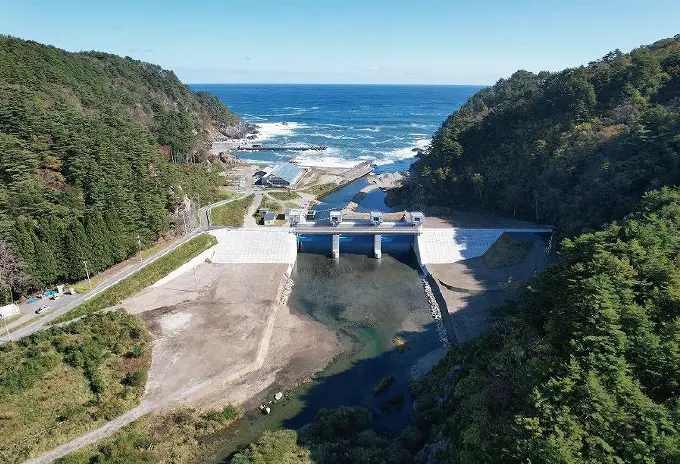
pixel 386 124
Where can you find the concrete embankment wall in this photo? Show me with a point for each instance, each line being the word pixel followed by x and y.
pixel 443 308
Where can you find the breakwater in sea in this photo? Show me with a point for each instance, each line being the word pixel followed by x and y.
pixel 279 148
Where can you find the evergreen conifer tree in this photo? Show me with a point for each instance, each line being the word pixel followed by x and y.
pixel 100 241
pixel 45 269
pixel 119 244
pixel 77 250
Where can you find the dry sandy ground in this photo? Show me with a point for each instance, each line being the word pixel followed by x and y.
pixel 219 336
pixel 225 338
pixel 470 289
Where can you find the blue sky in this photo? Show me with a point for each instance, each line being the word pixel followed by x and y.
pixel 348 41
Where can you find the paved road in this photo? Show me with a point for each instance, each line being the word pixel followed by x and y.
pixel 204 215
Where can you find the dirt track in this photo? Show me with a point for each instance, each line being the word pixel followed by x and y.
pixel 219 338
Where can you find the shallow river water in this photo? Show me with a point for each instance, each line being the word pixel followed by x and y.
pixel 367 302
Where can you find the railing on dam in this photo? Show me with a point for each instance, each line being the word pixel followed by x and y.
pixel 357 228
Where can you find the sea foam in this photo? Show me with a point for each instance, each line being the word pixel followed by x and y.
pixel 399 154
pixel 270 130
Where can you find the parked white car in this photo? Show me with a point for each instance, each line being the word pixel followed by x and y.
pixel 42 309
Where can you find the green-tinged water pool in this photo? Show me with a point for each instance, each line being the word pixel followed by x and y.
pixel 372 304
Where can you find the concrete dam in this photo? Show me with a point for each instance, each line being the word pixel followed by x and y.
pixel 430 245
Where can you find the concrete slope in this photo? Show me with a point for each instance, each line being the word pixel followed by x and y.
pixel 440 246
pixel 265 245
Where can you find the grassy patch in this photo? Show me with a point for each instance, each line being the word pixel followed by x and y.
pixel 83 287
pixel 224 194
pixel 231 214
pixel 27 322
pixel 59 383
pixel 506 252
pixel 272 205
pixel 285 195
pixel 170 437
pixel 142 278
pixel 321 189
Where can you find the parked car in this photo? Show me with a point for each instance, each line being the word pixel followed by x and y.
pixel 42 309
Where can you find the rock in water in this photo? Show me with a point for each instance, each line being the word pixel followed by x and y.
pixel 278 396
pixel 267 410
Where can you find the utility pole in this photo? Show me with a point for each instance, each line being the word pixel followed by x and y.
pixel 139 246
pixel 88 275
pixel 195 281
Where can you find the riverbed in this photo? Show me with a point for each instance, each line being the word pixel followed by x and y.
pixel 379 311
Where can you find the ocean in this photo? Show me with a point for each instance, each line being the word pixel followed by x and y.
pixel 381 123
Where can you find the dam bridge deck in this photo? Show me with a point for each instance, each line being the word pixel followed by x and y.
pixel 349 228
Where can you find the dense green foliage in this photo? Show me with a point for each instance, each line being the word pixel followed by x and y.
pixel 576 148
pixel 58 383
pixel 585 367
pixel 216 109
pixel 335 435
pixel 95 150
pixel 169 437
pixel 275 447
pixel 143 278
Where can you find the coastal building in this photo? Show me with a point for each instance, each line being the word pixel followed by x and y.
pixel 269 219
pixel 284 175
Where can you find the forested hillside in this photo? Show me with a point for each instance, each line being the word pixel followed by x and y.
pixel 585 367
pixel 95 149
pixel 575 149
